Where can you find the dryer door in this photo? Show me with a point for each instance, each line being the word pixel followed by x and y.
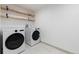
pixel 35 35
pixel 14 41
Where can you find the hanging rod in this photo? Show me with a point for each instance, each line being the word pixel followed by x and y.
pixel 17 11
pixel 15 18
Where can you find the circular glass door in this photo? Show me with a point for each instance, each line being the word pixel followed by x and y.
pixel 14 41
pixel 35 35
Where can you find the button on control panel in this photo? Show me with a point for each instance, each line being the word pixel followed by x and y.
pixel 22 30
pixel 15 30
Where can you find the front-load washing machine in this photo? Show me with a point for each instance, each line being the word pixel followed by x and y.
pixel 32 36
pixel 13 40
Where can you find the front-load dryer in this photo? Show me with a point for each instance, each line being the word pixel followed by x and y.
pixel 32 36
pixel 13 40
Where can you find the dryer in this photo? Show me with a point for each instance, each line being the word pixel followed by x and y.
pixel 13 40
pixel 32 35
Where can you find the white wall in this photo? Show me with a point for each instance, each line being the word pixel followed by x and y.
pixel 59 26
pixel 9 22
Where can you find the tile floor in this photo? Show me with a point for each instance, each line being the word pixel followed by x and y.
pixel 42 48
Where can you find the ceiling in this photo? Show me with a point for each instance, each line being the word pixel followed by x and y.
pixel 34 7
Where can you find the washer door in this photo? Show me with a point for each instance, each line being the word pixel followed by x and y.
pixel 14 41
pixel 35 35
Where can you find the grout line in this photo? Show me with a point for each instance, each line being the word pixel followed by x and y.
pixel 21 52
pixel 57 48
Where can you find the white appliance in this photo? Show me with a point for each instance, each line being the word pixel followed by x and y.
pixel 32 35
pixel 13 40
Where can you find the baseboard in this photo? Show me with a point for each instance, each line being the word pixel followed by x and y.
pixel 68 52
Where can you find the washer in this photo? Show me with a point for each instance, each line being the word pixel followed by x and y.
pixel 32 36
pixel 13 40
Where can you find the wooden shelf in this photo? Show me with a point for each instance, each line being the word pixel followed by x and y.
pixel 12 10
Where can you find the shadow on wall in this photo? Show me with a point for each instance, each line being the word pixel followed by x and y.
pixel 1 46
